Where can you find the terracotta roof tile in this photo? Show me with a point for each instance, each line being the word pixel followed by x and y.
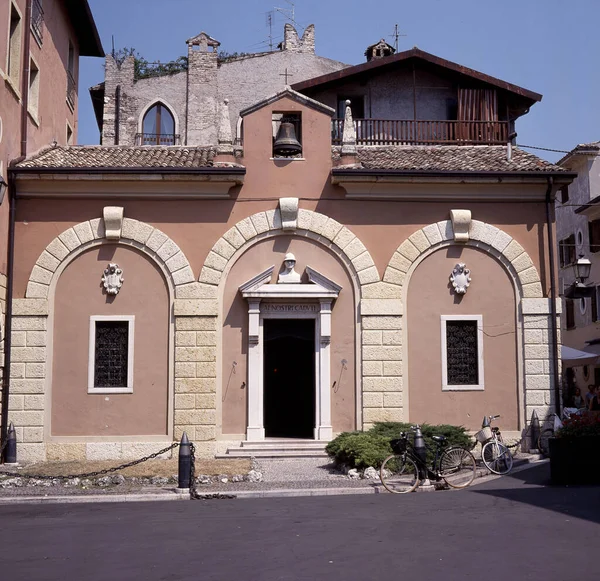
pixel 464 158
pixel 97 156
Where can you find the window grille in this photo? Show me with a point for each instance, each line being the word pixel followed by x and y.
pixel 111 354
pixel 462 353
pixel 37 20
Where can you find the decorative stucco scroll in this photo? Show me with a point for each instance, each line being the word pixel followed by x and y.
pixel 113 222
pixel 289 213
pixel 461 223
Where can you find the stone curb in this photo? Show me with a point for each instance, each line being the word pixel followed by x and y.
pixel 483 475
pixel 92 498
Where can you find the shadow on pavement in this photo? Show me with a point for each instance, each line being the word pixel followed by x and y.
pixel 537 490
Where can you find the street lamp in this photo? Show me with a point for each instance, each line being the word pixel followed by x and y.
pixel 583 268
pixel 579 290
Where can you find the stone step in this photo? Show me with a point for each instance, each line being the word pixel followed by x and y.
pixel 283 445
pixel 278 448
pixel 272 454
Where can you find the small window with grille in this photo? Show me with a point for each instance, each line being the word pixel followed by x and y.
pixel 462 352
pixel 111 354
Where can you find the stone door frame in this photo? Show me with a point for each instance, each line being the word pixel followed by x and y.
pixel 312 300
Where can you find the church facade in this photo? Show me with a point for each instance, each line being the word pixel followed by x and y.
pixel 302 275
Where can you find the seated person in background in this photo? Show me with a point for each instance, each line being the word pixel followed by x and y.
pixel 589 395
pixel 577 399
pixel 595 401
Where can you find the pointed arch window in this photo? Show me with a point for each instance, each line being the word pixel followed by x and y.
pixel 158 127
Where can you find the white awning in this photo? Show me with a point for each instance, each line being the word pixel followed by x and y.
pixel 575 357
pixel 595 349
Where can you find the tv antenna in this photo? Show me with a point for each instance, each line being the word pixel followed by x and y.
pixel 395 35
pixel 289 14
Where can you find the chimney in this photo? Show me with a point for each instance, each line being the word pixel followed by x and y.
pixel 379 50
pixel 202 105
pixel 118 82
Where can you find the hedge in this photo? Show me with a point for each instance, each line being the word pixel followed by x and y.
pixel 363 449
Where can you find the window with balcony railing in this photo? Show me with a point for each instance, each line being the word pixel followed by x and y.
pixel 158 127
pixel 37 20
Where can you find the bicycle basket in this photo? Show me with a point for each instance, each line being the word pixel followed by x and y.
pixel 398 446
pixel 483 435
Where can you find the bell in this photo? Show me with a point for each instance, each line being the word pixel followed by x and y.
pixel 286 143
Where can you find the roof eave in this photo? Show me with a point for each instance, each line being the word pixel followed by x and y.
pixel 562 177
pixel 190 171
pixel 416 53
pixel 84 25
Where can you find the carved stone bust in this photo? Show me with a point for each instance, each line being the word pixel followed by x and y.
pixel 288 275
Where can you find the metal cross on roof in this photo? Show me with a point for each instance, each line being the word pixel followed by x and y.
pixel 286 75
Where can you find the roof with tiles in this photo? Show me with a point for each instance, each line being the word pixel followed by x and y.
pixel 436 158
pixel 582 149
pixel 139 158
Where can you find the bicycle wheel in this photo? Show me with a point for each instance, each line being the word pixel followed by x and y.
pixel 457 467
pixel 497 457
pixel 399 474
pixel 543 444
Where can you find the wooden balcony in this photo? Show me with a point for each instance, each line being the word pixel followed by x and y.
pixel 409 132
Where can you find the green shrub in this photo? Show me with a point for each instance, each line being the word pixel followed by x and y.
pixel 363 449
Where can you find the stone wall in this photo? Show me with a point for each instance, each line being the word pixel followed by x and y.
pixel 382 388
pixel 244 81
pixel 196 381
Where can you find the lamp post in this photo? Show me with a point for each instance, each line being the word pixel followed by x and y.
pixel 583 268
pixel 579 289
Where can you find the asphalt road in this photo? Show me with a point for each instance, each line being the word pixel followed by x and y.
pixel 511 528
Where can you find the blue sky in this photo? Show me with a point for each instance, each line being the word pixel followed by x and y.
pixel 547 46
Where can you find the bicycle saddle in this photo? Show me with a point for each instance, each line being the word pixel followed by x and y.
pixel 439 438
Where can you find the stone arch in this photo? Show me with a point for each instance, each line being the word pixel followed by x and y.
pixel 481 235
pixel 317 226
pixel 34 314
pixel 154 243
pixel 164 103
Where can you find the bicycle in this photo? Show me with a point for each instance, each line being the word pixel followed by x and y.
pixel 400 471
pixel 555 423
pixel 495 454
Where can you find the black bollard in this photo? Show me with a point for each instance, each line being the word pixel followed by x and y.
pixel 10 454
pixel 185 462
pixel 535 429
pixel 421 452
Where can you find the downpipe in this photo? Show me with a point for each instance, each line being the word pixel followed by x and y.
pixel 553 297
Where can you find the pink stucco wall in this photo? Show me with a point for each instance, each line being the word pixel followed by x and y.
pixel 491 295
pixel 235 328
pixel 79 295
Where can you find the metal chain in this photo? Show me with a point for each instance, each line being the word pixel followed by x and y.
pixel 98 472
pixel 194 494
